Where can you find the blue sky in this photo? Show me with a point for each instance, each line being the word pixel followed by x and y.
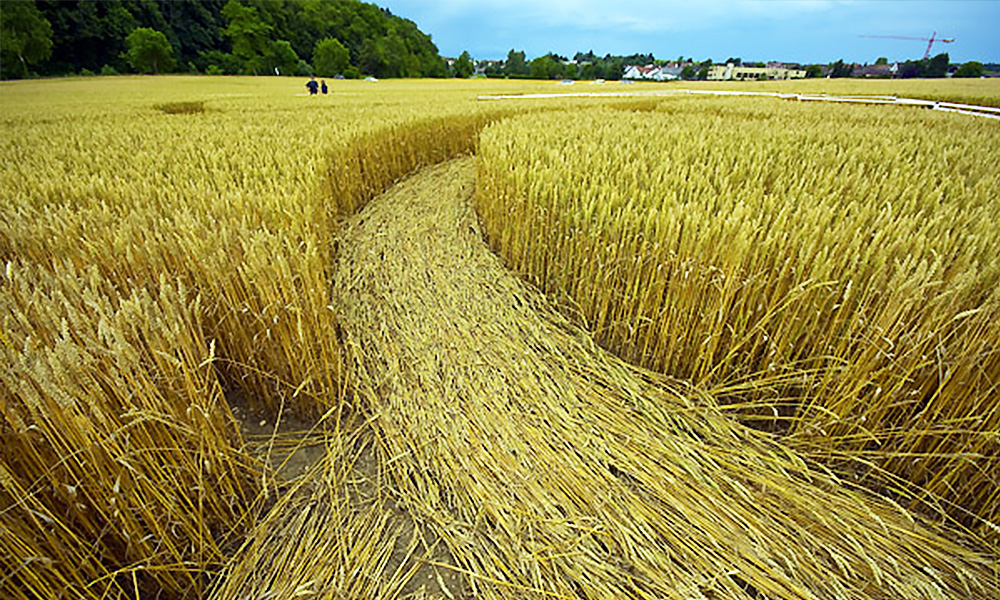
pixel 808 31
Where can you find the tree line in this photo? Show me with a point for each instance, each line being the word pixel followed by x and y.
pixel 590 66
pixel 289 37
pixel 584 65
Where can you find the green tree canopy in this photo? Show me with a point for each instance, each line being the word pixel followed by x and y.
pixel 330 58
pixel 839 69
pixel 249 34
pixel 515 64
pixel 400 61
pixel 25 38
pixel 280 58
pixel 372 58
pixel 229 36
pixel 463 66
pixel 912 68
pixel 149 51
pixel 546 67
pixel 433 65
pixel 972 68
pixel 938 66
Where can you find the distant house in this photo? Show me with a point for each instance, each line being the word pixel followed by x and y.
pixel 671 71
pixel 485 67
pixel 875 71
pixel 651 73
pixel 730 72
pixel 635 72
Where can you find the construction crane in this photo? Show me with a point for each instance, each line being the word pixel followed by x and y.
pixel 930 41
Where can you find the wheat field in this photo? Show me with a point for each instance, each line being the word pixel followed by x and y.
pixel 830 270
pixel 173 253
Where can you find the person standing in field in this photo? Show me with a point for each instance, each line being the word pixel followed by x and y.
pixel 311 85
pixel 322 86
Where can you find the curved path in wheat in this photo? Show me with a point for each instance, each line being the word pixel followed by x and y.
pixel 550 469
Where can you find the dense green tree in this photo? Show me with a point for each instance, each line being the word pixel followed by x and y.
pixel 149 51
pixel 420 56
pixel 688 72
pixel 937 66
pixel 912 68
pixel 248 33
pixel 330 58
pixel 279 58
pixel 839 69
pixel 400 62
pixel 882 61
pixel 372 58
pixel 217 62
pixel 463 65
pixel 546 67
pixel 934 67
pixel 970 69
pixel 79 37
pixel 614 67
pixel 359 31
pixel 318 20
pixel 89 35
pixel 25 38
pixel 813 71
pixel 515 64
pixel 193 27
pixel 215 34
pixel 117 23
pixel 433 65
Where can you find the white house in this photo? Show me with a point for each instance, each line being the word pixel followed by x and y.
pixel 651 73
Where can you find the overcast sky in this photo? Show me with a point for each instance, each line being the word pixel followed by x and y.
pixel 808 31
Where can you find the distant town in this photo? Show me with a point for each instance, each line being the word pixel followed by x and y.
pixel 645 67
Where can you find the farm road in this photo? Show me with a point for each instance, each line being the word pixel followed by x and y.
pixel 551 469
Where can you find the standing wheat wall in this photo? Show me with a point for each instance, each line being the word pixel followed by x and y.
pixel 830 271
pixel 151 263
